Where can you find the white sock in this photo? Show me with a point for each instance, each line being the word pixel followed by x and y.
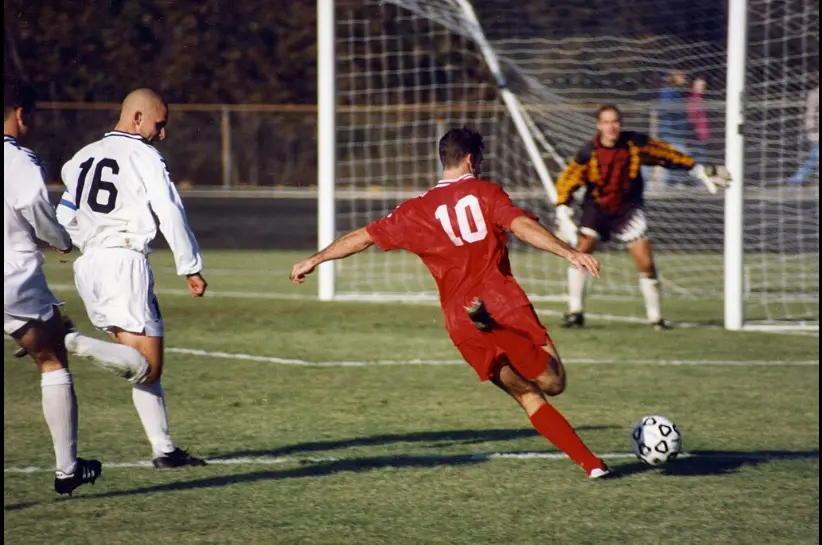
pixel 124 361
pixel 60 410
pixel 653 298
pixel 577 284
pixel 151 406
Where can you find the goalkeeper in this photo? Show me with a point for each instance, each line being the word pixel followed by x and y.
pixel 609 167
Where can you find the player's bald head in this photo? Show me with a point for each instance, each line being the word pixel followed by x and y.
pixel 141 100
pixel 144 112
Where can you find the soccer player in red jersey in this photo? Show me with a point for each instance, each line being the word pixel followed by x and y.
pixel 459 230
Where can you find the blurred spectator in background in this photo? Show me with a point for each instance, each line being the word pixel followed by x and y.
pixel 698 118
pixel 811 165
pixel 673 121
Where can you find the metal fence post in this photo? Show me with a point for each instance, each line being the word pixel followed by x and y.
pixel 225 134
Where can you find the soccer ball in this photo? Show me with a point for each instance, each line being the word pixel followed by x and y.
pixel 656 440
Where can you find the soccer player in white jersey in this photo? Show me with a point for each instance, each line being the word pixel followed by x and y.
pixel 30 314
pixel 112 187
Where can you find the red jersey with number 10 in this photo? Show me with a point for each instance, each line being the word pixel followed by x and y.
pixel 458 229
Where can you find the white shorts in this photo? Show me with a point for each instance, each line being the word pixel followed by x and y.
pixel 26 294
pixel 117 288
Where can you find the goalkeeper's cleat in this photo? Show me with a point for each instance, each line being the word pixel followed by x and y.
pixel 176 458
pixel 572 319
pixel 21 353
pixel 479 315
pixel 663 325
pixel 86 472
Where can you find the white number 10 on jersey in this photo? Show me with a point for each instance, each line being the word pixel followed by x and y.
pixel 468 204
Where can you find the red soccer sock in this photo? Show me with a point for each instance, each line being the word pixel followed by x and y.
pixel 550 423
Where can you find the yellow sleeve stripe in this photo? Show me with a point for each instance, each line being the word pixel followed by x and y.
pixel 572 178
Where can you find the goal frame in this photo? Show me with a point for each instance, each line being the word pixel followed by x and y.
pixel 737 51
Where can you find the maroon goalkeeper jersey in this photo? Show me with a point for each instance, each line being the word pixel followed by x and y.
pixel 458 229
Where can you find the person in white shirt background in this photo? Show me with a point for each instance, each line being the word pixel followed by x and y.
pixel 112 187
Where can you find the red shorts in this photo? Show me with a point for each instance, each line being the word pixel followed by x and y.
pixel 485 351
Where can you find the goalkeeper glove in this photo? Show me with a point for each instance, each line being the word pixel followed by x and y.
pixel 565 222
pixel 713 176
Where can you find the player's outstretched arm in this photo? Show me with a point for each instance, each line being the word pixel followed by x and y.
pixel 534 234
pixel 349 244
pixel 657 152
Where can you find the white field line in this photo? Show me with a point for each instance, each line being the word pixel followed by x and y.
pixel 372 363
pixel 432 302
pixel 210 293
pixel 67 265
pixel 479 457
pixel 305 363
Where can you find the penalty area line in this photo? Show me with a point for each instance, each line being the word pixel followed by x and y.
pixel 607 361
pixel 400 458
pixel 431 301
pixel 373 363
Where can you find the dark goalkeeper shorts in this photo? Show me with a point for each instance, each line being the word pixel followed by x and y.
pixel 626 226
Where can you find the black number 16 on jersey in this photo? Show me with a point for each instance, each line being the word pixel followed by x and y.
pixel 98 184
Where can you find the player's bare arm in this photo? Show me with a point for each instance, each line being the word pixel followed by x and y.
pixel 349 244
pixel 534 234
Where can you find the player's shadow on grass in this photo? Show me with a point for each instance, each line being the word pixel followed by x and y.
pixel 307 469
pixel 439 438
pixel 714 462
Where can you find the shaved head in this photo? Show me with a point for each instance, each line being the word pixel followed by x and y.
pixel 145 113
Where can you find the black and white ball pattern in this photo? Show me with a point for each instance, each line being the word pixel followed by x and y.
pixel 656 440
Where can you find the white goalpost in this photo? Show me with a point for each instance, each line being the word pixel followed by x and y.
pixel 735 161
pixel 393 75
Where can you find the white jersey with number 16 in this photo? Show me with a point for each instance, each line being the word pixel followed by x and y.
pixel 112 187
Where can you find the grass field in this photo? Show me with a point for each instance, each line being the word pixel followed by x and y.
pixel 388 452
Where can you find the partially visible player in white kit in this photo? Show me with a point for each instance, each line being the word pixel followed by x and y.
pixel 112 187
pixel 30 314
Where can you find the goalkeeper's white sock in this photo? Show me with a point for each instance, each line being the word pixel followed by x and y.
pixel 653 297
pixel 124 361
pixel 577 286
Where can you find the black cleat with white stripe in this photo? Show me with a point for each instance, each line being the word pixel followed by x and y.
pixel 86 472
pixel 662 325
pixel 479 315
pixel 176 458
pixel 572 319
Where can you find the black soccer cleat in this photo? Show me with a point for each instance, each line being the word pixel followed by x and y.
pixel 86 472
pixel 662 325
pixel 68 327
pixel 176 458
pixel 572 319
pixel 479 315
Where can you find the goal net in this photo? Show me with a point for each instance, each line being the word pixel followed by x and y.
pixel 782 218
pixel 408 70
